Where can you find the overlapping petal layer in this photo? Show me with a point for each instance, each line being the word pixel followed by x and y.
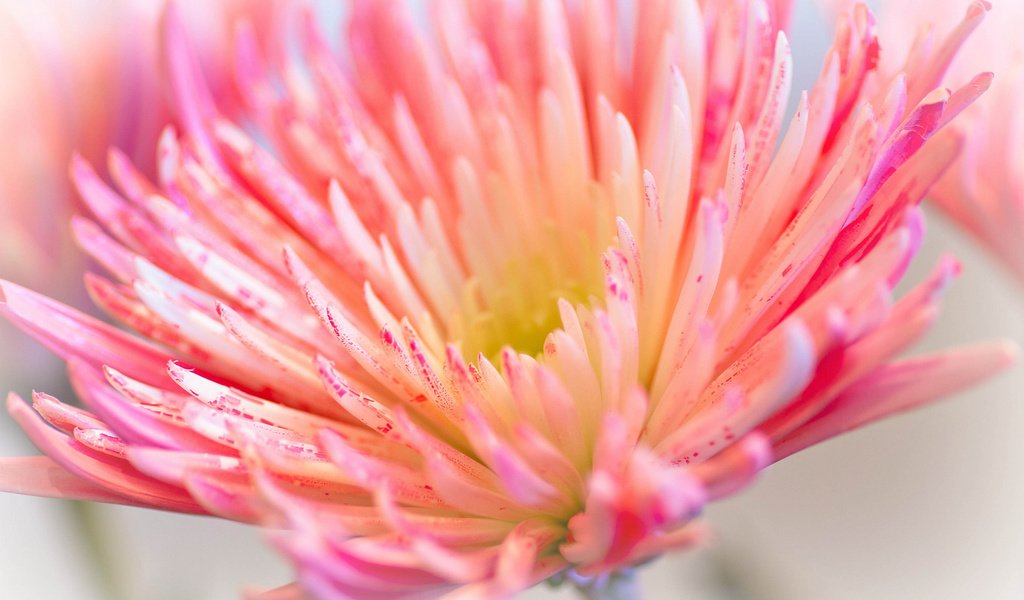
pixel 983 191
pixel 89 73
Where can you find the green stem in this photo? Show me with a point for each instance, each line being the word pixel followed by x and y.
pixel 92 531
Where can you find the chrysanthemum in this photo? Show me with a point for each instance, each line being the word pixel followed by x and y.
pixel 512 293
pixel 108 53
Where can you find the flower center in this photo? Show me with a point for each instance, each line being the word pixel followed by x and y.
pixel 516 304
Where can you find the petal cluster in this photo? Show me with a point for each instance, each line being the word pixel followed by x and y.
pixel 507 290
pixel 89 74
pixel 984 189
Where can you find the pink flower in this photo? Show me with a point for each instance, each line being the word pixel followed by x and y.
pixel 516 293
pixel 984 189
pixel 89 73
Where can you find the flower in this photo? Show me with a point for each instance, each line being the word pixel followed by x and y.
pixel 983 191
pixel 514 294
pixel 107 53
pixel 89 73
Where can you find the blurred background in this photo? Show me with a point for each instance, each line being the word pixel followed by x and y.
pixel 927 505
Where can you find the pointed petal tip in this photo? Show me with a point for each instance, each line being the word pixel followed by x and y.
pixel 978 8
pixel 758 446
pixel 14 402
pixel 951 265
pixel 78 166
pixel 11 293
pixel 230 136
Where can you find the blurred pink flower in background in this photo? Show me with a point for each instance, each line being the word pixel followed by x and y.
pixel 80 75
pixel 89 73
pixel 515 297
pixel 984 189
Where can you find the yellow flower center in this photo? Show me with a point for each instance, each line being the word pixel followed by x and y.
pixel 516 305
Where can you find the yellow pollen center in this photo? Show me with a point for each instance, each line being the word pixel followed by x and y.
pixel 516 306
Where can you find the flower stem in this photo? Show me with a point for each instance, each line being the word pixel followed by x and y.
pixel 621 585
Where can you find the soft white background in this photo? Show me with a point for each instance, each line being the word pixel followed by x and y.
pixel 928 505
